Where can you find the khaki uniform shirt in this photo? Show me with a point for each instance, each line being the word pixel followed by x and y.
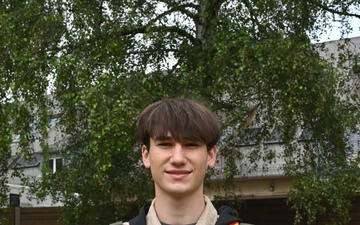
pixel 208 217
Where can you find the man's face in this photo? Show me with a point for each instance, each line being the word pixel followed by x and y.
pixel 178 169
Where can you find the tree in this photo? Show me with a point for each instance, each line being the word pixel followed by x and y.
pixel 102 61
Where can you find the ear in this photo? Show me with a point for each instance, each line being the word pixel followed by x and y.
pixel 212 157
pixel 145 156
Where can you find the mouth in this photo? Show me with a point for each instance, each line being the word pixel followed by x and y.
pixel 178 172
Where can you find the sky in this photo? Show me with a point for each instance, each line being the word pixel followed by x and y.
pixel 334 33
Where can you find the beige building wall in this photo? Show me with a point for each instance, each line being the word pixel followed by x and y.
pixel 251 188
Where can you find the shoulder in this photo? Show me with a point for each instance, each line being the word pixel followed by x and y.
pixel 120 223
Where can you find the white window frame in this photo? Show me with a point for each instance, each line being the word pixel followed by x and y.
pixel 55 160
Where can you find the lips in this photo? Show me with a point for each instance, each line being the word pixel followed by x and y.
pixel 178 172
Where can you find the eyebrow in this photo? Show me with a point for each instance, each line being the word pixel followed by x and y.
pixel 164 138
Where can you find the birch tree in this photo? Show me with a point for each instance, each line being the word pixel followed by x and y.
pixel 103 61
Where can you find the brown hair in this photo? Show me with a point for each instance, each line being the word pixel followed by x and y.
pixel 184 119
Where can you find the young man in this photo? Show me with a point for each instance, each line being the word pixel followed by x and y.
pixel 179 137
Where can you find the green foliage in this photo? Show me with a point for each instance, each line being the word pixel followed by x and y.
pixel 96 64
pixel 5 154
pixel 327 195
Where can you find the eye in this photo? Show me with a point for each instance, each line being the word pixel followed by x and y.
pixel 164 144
pixel 192 145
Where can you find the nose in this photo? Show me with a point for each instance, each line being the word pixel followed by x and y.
pixel 178 156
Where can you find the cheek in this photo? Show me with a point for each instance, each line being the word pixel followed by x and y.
pixel 154 161
pixel 205 165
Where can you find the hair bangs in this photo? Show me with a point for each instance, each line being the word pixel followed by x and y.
pixel 177 124
pixel 182 119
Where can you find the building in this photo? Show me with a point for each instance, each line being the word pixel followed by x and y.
pixel 19 193
pixel 267 181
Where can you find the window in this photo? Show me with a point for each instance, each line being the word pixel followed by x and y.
pixel 306 134
pixel 249 137
pixel 14 200
pixel 55 164
pixel 277 135
pixel 354 64
pixel 16 139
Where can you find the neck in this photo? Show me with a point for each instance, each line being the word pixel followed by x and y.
pixel 179 210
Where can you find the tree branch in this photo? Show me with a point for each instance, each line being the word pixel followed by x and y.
pixel 172 4
pixel 150 51
pixel 219 2
pixel 146 28
pixel 174 8
pixel 180 8
pixel 326 8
